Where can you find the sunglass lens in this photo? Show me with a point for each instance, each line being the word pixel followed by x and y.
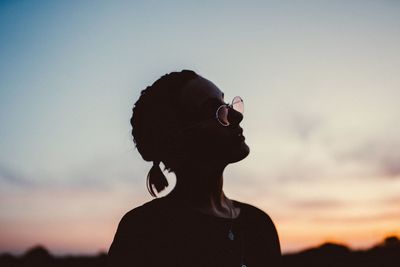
pixel 222 115
pixel 237 104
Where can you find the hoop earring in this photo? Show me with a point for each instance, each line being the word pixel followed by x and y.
pixel 156 178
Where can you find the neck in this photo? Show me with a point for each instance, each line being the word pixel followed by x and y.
pixel 200 186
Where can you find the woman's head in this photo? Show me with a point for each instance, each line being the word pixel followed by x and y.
pixel 174 122
pixel 215 141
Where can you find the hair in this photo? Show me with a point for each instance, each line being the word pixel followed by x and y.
pixel 154 115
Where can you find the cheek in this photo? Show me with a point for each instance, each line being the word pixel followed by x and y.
pixel 216 139
pixel 220 138
pixel 215 144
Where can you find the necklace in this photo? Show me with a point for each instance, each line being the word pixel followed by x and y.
pixel 231 237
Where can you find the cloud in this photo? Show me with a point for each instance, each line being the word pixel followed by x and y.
pixel 12 177
pixel 382 155
pixel 391 200
pixel 316 204
pixel 305 125
pixel 98 174
pixel 359 218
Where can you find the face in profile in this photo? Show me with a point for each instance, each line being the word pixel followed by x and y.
pixel 211 138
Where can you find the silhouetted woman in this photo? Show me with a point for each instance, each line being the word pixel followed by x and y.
pixel 183 121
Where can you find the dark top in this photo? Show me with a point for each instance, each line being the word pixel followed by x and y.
pixel 163 232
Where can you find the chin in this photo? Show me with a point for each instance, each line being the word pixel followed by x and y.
pixel 226 154
pixel 238 153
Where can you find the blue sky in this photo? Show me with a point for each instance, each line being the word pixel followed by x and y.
pixel 320 82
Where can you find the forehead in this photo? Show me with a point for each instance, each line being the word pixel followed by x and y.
pixel 197 91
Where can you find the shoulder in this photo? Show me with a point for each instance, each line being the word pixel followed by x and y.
pixel 259 222
pixel 143 214
pixel 132 241
pixel 257 219
pixel 137 226
pixel 254 213
pixel 148 208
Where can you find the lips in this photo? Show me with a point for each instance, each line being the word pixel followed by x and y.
pixel 238 131
pixel 239 134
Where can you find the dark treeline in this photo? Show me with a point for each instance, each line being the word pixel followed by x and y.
pixel 384 254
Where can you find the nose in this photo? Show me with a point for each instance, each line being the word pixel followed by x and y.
pixel 234 117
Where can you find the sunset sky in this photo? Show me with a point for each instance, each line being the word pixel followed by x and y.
pixel 320 81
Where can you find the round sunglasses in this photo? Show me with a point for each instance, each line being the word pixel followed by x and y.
pixel 223 111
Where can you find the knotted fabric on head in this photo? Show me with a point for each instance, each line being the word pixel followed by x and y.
pixel 156 178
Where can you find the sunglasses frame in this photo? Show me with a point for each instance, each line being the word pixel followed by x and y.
pixel 229 106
